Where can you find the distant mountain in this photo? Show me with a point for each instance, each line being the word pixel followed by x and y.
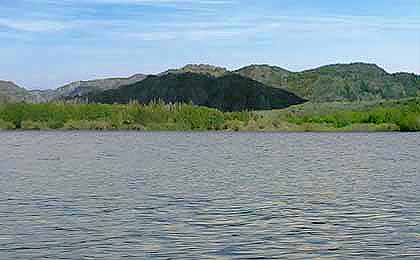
pixel 199 69
pixel 10 92
pixel 339 82
pixel 231 92
pixel 82 88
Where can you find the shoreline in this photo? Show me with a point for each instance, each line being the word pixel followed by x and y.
pixel 384 116
pixel 208 131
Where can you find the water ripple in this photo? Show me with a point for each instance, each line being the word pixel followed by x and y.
pixel 129 195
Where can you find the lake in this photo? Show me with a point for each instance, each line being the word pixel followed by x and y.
pixel 134 195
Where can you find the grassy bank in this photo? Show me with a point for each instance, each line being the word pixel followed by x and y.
pixel 393 115
pixel 155 116
pixel 402 115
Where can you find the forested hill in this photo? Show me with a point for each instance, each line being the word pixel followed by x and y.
pixel 339 82
pixel 231 92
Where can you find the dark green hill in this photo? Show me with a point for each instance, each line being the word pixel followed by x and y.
pixel 339 82
pixel 227 93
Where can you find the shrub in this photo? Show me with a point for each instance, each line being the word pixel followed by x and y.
pixel 233 125
pixel 87 125
pixel 410 122
pixel 177 117
pixel 6 125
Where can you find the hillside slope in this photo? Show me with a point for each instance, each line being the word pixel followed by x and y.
pixel 266 74
pixel 10 92
pixel 227 93
pixel 339 82
pixel 83 88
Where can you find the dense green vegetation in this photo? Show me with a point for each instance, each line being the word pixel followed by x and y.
pixel 155 116
pixel 403 115
pixel 340 82
pixel 226 93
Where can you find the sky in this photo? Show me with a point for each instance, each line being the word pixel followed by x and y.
pixel 48 43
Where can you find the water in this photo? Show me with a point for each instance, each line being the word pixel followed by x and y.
pixel 128 195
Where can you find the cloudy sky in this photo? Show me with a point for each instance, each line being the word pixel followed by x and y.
pixel 47 43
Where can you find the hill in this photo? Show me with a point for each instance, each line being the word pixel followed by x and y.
pixel 10 92
pixel 205 69
pixel 231 92
pixel 331 83
pixel 266 74
pixel 82 88
pixel 339 82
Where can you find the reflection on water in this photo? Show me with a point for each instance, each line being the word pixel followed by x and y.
pixel 127 195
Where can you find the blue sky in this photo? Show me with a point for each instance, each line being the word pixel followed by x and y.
pixel 47 43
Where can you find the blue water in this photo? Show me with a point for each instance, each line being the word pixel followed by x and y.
pixel 131 195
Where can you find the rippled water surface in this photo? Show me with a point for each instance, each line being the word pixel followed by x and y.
pixel 128 195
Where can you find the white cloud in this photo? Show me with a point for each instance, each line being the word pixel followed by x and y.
pixel 143 2
pixel 217 25
pixel 34 25
pixel 202 29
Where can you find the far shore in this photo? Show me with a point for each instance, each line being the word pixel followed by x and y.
pixel 378 116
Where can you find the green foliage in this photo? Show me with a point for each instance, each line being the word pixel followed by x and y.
pixel 88 125
pixel 6 125
pixel 133 116
pixel 34 125
pixel 411 122
pixel 233 125
pixel 402 115
pixel 339 82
